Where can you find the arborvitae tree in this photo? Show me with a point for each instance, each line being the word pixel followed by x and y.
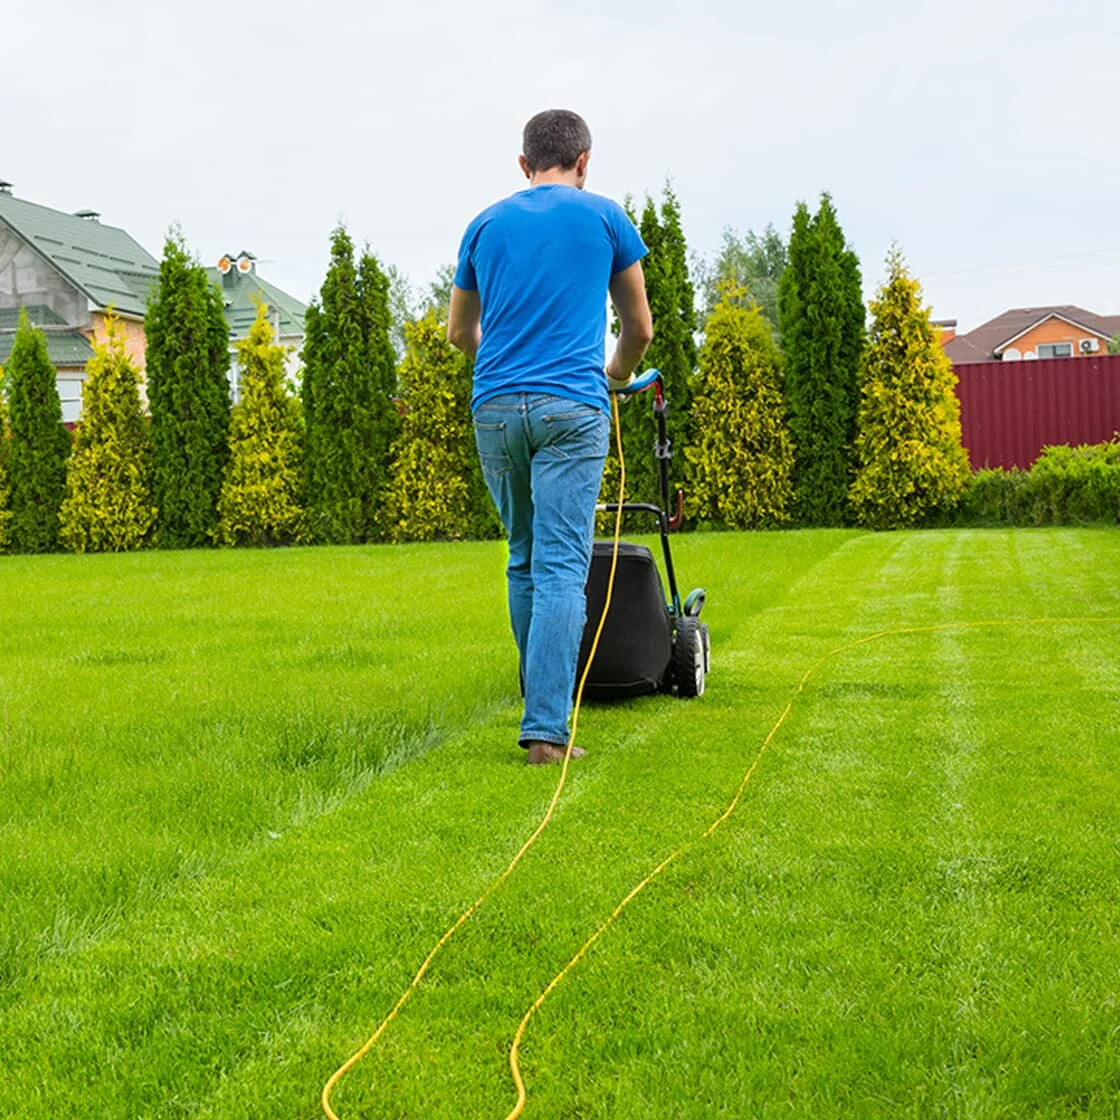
pixel 741 457
pixel 189 397
pixel 435 482
pixel 377 325
pixel 673 351
pixel 5 457
pixel 108 505
pixel 349 412
pixel 852 314
pixel 911 463
pixel 40 443
pixel 822 324
pixel 260 498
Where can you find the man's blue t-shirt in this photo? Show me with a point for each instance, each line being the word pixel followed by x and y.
pixel 542 261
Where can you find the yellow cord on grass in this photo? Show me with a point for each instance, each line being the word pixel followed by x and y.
pixel 514 1063
pixel 463 918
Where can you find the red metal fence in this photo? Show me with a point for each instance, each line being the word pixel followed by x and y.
pixel 1011 410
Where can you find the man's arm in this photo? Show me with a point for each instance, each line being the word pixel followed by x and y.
pixel 628 294
pixel 464 320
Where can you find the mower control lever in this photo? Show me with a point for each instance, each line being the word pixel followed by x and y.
pixel 678 517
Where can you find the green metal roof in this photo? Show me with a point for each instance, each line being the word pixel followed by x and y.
pixel 102 261
pixel 64 348
pixel 239 292
pixel 39 314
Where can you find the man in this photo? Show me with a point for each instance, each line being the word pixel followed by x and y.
pixel 529 305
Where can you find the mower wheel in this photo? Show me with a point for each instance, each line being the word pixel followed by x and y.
pixel 688 658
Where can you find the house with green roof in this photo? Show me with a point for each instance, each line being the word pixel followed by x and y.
pixel 69 271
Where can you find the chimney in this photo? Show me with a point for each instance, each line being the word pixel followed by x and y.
pixel 5 187
pixel 947 327
pixel 87 215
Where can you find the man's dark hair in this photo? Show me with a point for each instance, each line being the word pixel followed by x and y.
pixel 555 138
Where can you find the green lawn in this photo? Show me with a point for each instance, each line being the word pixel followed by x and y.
pixel 242 794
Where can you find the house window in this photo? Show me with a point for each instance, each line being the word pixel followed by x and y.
pixel 1055 349
pixel 70 393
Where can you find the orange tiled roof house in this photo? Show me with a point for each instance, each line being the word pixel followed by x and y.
pixel 1025 333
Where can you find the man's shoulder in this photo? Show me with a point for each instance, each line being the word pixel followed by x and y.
pixel 602 203
pixel 588 201
pixel 484 216
pixel 547 197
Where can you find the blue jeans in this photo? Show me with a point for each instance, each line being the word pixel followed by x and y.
pixel 542 457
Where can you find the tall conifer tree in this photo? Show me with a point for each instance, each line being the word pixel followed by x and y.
pixel 673 351
pixel 912 466
pixel 189 396
pixel 5 459
pixel 436 487
pixel 822 325
pixel 373 293
pixel 263 486
pixel 40 443
pixel 108 506
pixel 349 412
pixel 741 458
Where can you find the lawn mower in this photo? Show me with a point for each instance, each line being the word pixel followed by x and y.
pixel 649 643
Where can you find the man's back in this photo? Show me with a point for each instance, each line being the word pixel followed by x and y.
pixel 529 304
pixel 541 261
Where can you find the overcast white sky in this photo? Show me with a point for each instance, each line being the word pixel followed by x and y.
pixel 979 134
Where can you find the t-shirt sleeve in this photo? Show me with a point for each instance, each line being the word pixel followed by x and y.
pixel 628 244
pixel 465 278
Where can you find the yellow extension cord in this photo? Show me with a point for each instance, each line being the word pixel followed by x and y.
pixel 514 1063
pixel 463 918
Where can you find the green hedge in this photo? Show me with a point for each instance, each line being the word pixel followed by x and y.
pixel 1067 485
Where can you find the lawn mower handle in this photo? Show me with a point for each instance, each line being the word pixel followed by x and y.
pixel 640 383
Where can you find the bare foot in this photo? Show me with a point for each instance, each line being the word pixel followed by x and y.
pixel 541 754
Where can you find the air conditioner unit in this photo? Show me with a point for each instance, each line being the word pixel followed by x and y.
pixel 1089 345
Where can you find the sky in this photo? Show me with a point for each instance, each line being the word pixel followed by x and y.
pixel 978 135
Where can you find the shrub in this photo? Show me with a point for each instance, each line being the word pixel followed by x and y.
pixel 993 497
pixel 259 502
pixel 1065 485
pixel 108 505
pixel 1070 484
